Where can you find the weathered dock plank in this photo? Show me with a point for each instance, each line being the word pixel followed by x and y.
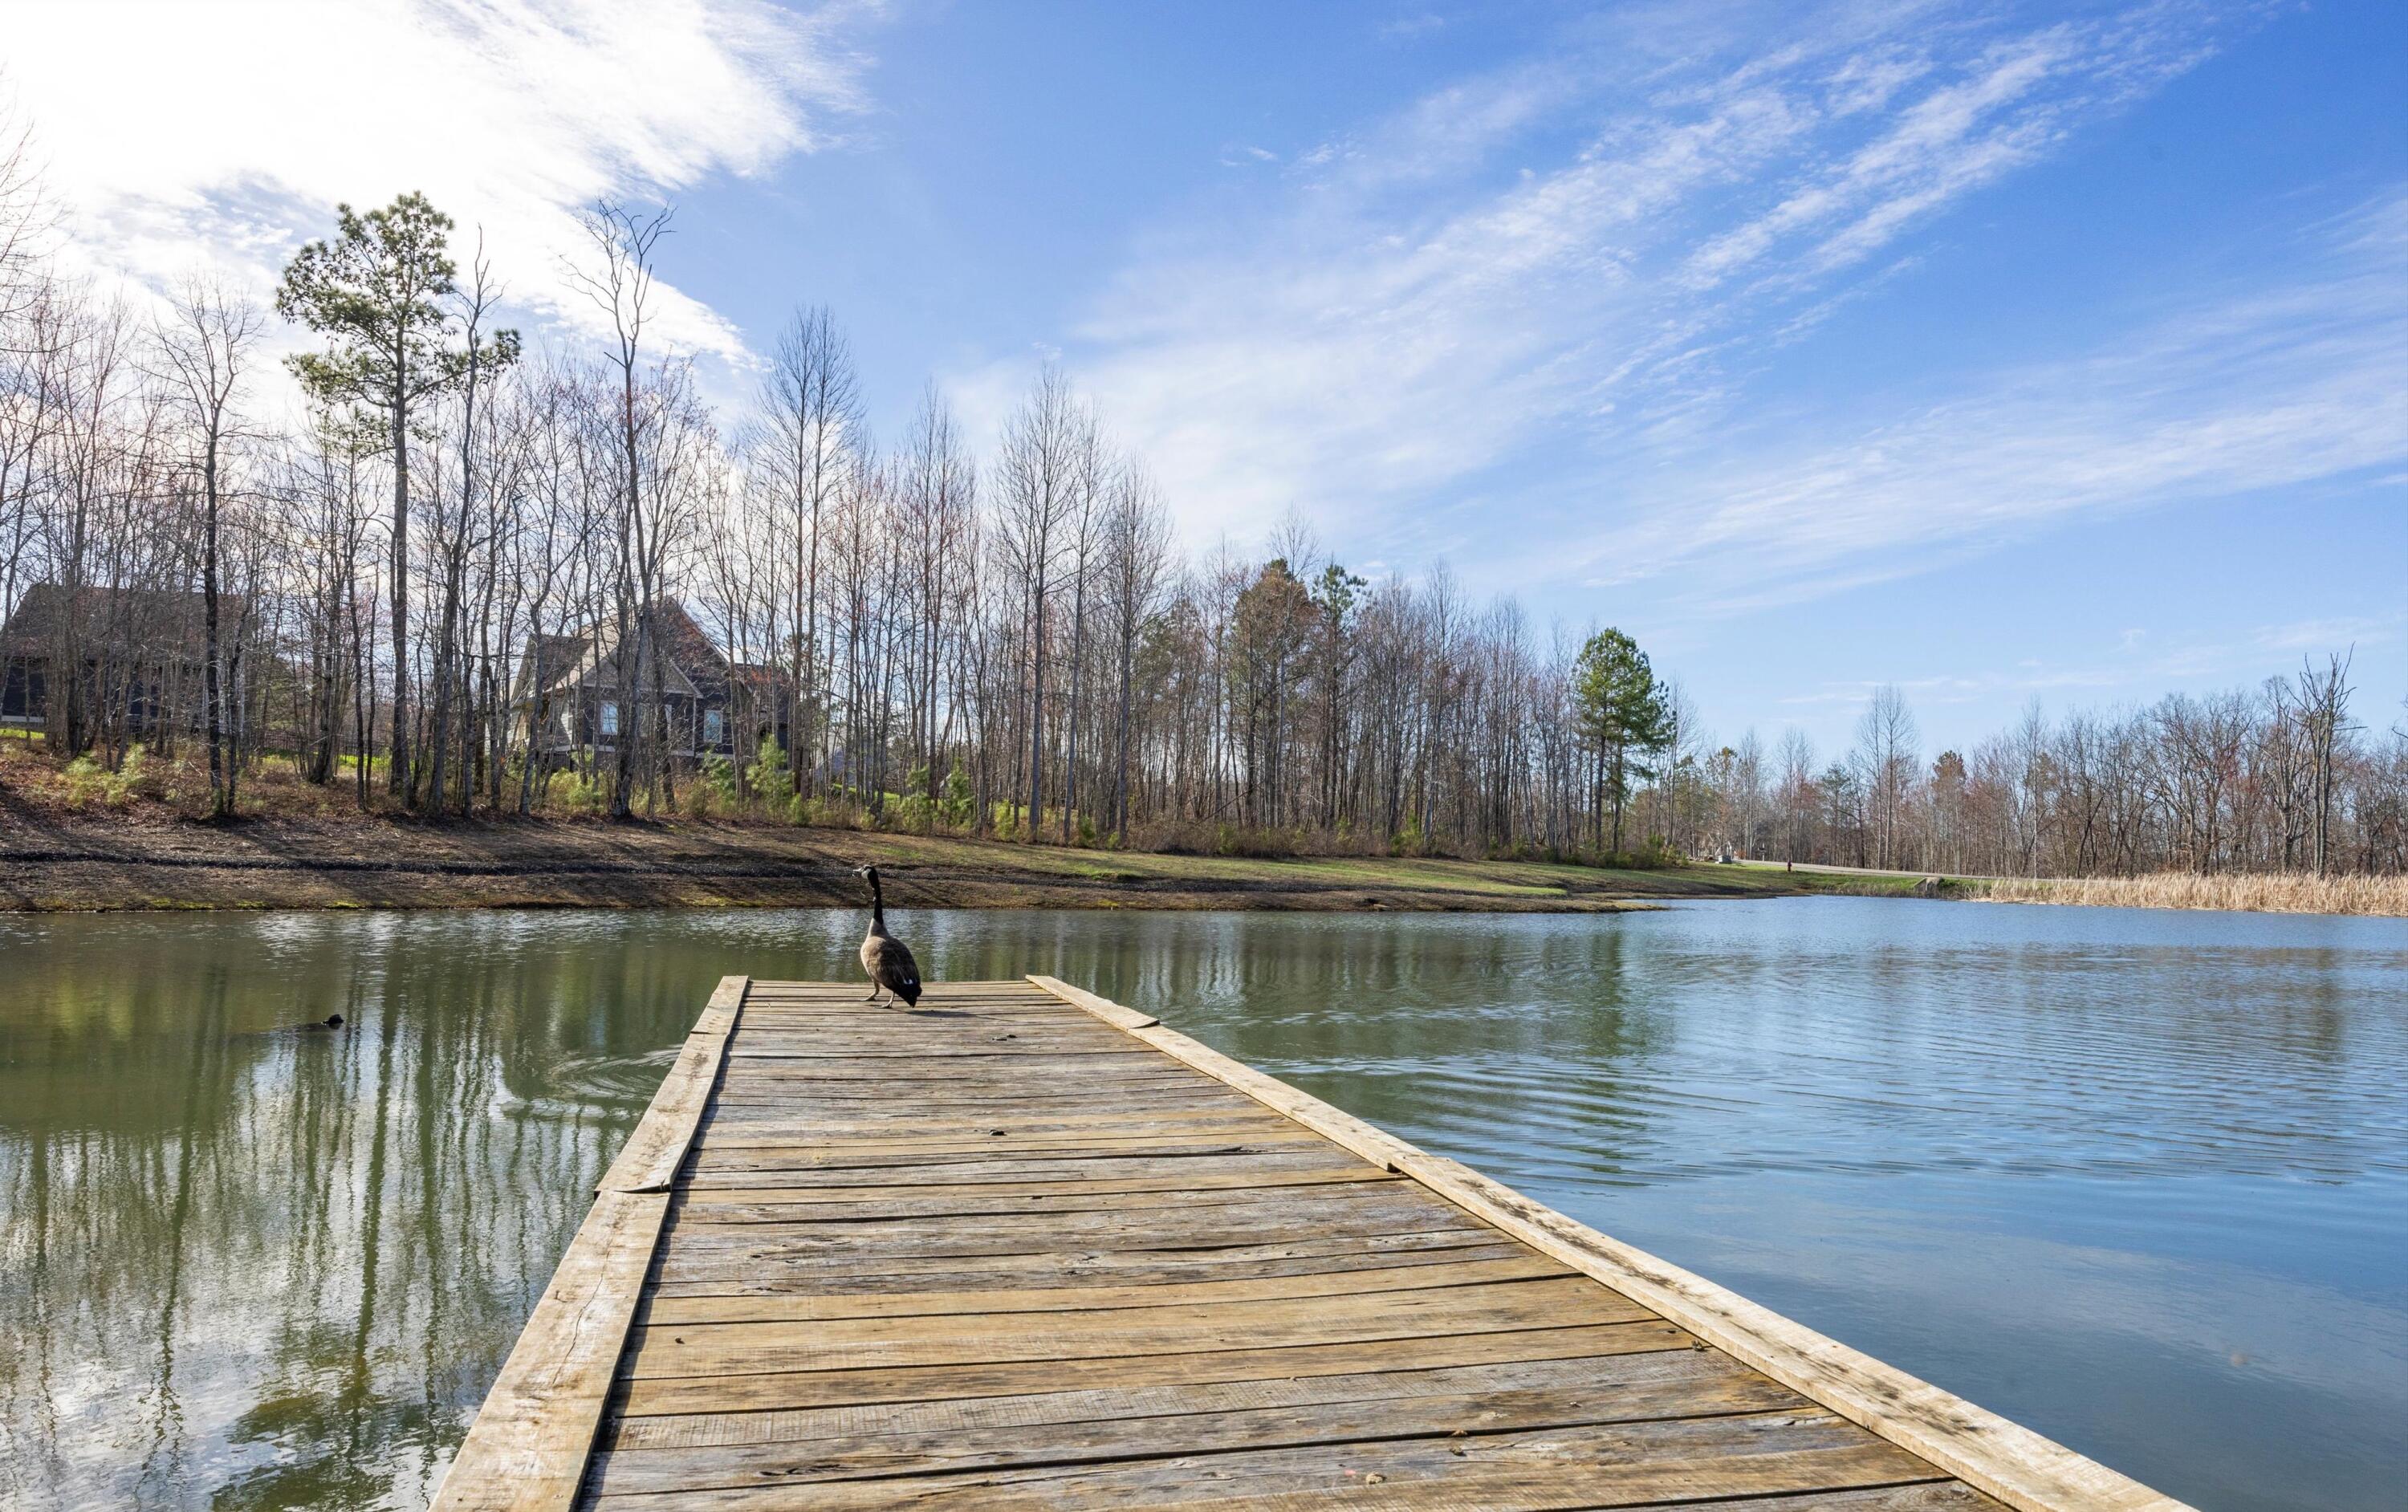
pixel 532 1441
pixel 1022 1247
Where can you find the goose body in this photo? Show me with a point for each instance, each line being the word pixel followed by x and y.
pixel 886 959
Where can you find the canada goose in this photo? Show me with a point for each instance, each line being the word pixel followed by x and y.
pixel 886 959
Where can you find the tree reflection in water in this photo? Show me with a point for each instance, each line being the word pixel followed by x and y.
pixel 261 1266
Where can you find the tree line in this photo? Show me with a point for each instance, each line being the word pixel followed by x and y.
pixel 1012 645
pixel 2282 777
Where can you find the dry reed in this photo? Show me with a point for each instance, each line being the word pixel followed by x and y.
pixel 2282 893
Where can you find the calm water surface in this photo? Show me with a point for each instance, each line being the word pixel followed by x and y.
pixel 2137 1179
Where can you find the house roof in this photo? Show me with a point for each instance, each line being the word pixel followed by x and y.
pixel 117 621
pixel 761 677
pixel 694 660
pixel 690 649
pixel 560 657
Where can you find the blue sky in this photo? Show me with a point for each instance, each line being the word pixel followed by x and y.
pixel 1996 352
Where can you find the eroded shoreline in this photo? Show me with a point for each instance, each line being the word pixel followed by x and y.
pixel 77 864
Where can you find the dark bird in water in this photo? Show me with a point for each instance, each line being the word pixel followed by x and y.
pixel 886 959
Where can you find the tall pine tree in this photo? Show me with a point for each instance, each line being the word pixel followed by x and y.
pixel 376 293
pixel 1622 713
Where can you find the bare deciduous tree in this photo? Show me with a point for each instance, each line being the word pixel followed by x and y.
pixel 204 350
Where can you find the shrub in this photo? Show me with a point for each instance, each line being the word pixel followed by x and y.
pixel 909 811
pixel 954 808
pixel 773 777
pixel 572 793
pixel 87 781
pixel 718 778
pixel 139 773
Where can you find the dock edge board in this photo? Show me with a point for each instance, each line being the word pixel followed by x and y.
pixel 528 1448
pixel 2004 1458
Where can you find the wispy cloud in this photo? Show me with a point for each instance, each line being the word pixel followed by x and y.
pixel 175 132
pixel 2236 391
pixel 2334 634
pixel 1246 155
pixel 1585 255
pixel 1413 28
pixel 2136 668
pixel 2128 671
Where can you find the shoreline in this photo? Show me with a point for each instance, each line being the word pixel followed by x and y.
pixel 120 863
pixel 137 863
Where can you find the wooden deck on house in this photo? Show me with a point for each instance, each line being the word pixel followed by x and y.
pixel 1025 1248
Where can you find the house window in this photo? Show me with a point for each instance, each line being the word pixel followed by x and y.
pixel 609 719
pixel 715 727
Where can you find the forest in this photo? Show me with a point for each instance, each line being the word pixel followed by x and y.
pixel 431 569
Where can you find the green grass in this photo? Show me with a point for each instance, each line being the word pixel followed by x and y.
pixel 1872 884
pixel 1497 878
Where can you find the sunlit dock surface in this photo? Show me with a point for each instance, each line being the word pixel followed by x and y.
pixel 1021 1247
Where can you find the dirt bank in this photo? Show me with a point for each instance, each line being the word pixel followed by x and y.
pixel 50 863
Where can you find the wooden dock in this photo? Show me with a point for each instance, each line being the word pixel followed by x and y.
pixel 1025 1248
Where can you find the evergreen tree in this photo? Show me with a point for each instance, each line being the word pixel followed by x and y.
pixel 1622 713
pixel 375 290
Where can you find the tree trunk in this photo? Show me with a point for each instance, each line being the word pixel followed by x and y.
pixel 212 693
pixel 397 776
pixel 1121 785
pixel 1616 792
pixel 1036 712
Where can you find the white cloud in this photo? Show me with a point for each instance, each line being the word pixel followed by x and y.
pixel 175 132
pixel 1413 28
pixel 2335 634
pixel 2235 392
pixel 2131 671
pixel 1456 292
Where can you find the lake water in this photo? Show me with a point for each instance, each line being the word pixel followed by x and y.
pixel 2139 1180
